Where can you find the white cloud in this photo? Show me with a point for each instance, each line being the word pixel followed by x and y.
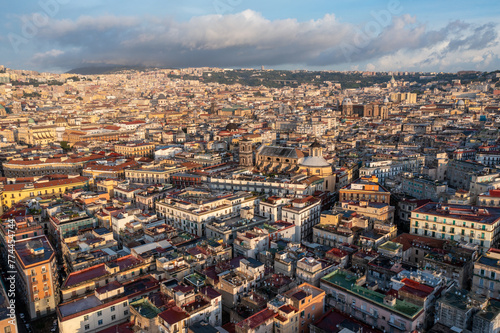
pixel 249 39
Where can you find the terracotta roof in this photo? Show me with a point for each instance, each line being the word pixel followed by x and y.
pixel 257 319
pixel 173 315
pixel 84 275
pixel 407 240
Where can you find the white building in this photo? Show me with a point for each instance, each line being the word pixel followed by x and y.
pixel 191 209
pixel 305 214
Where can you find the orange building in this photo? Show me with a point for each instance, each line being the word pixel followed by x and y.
pixel 37 277
pixel 310 303
pixel 365 189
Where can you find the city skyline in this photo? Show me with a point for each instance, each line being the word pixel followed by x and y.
pixel 59 35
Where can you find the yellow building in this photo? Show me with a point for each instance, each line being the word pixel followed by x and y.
pixel 14 193
pixel 108 186
pixel 37 135
pixel 135 149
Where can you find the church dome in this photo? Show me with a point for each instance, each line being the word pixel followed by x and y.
pixel 60 120
pixel 314 162
pixel 347 101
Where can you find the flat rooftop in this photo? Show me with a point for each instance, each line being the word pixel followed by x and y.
pixel 34 250
pixel 81 304
pixel 347 282
pixel 487 215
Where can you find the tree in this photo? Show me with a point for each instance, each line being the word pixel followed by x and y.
pixel 65 145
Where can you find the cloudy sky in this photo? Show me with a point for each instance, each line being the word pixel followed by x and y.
pixel 428 35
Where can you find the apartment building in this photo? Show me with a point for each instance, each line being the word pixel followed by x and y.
pixel 456 308
pixel 155 175
pixel 282 187
pixel 381 169
pixel 261 322
pixel 489 158
pixel 365 189
pixel 88 249
pixel 135 149
pixel 486 276
pixel 309 302
pixel 236 282
pixel 250 243
pixel 271 208
pixel 489 199
pixel 113 168
pixel 420 187
pixel 385 312
pixel 53 186
pixel 305 214
pixel 375 211
pixel 475 225
pixel 41 166
pixel 191 209
pixel 487 320
pixel 123 269
pixel 69 221
pixel 460 173
pixel 311 270
pixel 107 306
pixel 37 277
pixel 404 208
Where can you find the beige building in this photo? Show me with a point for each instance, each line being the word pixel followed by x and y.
pixel 475 225
pixel 38 134
pixel 311 270
pixel 135 149
pixel 486 278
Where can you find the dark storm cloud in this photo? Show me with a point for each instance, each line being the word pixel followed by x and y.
pixel 242 39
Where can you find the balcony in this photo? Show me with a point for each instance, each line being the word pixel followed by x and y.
pixel 398 326
pixel 373 315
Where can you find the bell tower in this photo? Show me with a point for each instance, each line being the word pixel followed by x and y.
pixel 246 153
pixel 315 149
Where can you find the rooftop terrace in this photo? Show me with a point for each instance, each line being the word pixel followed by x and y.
pixel 347 282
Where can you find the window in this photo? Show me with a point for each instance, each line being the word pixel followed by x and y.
pixel 113 317
pixel 87 326
pixel 113 308
pixel 125 312
pixel 99 313
pixel 99 322
pixel 125 303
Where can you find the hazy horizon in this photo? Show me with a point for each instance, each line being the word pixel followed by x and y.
pixel 431 36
